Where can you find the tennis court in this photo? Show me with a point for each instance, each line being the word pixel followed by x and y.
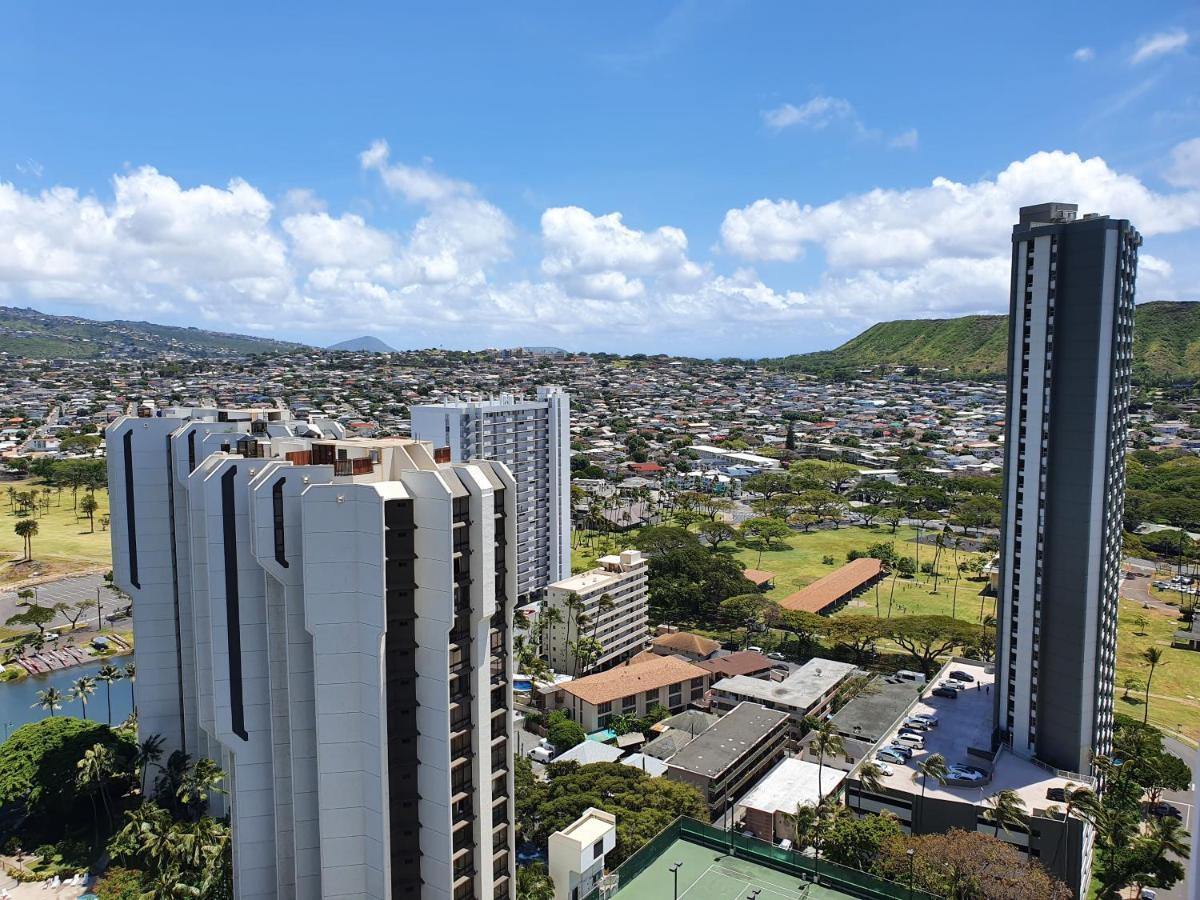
pixel 706 874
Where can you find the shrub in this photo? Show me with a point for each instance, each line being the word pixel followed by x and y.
pixel 119 883
pixel 564 733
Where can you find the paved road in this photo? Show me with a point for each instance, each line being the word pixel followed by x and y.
pixel 1186 801
pixel 70 590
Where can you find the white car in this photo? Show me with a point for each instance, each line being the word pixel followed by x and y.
pixel 953 685
pixel 964 773
pixel 885 768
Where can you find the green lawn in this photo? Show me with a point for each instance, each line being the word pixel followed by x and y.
pixel 63 543
pixel 802 563
pixel 1176 680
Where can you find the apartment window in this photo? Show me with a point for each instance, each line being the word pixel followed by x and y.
pixel 597 849
pixel 604 707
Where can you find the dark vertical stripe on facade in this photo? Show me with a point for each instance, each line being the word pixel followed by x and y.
pixel 191 451
pixel 130 513
pixel 233 619
pixel 400 674
pixel 277 516
pixel 175 594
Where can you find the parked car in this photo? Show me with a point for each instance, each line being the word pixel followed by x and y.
pixel 888 755
pixel 965 773
pixel 918 724
pixel 885 769
pixel 960 675
pixel 785 844
pixel 904 751
pixel 775 654
pixel 755 649
pixel 541 754
pixel 1163 810
pixel 953 685
pixel 928 718
pixel 908 729
pixel 945 692
pixel 911 740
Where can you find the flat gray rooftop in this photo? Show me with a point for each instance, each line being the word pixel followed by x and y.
pixel 800 690
pixel 877 707
pixel 712 752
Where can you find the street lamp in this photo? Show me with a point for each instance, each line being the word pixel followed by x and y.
pixel 675 871
pixel 99 620
pixel 911 854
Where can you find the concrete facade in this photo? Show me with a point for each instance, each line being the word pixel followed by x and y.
pixel 330 621
pixel 533 439
pixel 1070 359
pixel 620 628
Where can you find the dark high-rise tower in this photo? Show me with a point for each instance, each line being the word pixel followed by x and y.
pixel 1069 363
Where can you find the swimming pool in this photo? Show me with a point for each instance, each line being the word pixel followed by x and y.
pixel 525 686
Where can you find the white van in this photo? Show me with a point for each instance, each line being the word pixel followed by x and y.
pixel 911 740
pixel 909 675
pixel 541 754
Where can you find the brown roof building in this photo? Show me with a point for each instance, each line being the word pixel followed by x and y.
pixel 828 593
pixel 743 662
pixel 632 689
pixel 693 646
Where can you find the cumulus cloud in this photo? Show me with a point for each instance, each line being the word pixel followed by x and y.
pixel 1155 45
pixel 1084 54
pixel 947 218
pixel 600 256
pixel 228 256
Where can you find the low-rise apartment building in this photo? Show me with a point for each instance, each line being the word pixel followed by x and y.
pixel 733 754
pixel 631 689
pixel 613 598
pixel 807 691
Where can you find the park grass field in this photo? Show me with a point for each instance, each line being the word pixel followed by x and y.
pixel 1175 690
pixel 63 543
pixel 802 562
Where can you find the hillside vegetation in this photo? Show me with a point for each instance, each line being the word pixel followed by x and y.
pixel 1166 345
pixel 36 335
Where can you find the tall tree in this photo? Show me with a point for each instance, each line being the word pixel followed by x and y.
pixel 108 674
pixel 1154 658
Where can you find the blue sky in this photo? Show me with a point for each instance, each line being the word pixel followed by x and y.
pixel 707 178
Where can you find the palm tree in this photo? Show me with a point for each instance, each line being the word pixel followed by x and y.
pixel 108 674
pixel 26 529
pixel 827 743
pixel 934 766
pixel 49 699
pixel 870 778
pixel 1005 810
pixel 803 822
pixel 533 882
pixel 131 675
pixel 1154 657
pixel 81 689
pixel 574 605
pixel 149 752
pixel 604 606
pixel 94 769
pixel 1080 801
pixel 204 777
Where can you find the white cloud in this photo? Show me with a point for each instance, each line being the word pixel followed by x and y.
pixel 600 256
pixel 884 228
pixel 816 113
pixel 1155 45
pixel 1184 167
pixel 1084 54
pixel 906 140
pixel 228 257
pixel 30 168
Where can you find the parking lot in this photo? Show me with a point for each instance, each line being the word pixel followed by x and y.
pixel 70 590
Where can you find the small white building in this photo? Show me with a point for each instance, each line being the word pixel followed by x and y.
pixel 614 599
pixel 577 853
pixel 768 806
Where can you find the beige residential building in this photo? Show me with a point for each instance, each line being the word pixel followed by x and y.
pixel 613 597
pixel 577 853
pixel 631 689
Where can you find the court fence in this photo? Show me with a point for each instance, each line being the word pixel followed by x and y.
pixel 854 882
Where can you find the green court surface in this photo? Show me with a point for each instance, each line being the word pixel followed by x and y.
pixel 708 874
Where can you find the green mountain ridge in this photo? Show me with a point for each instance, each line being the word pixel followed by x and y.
pixel 1166 346
pixel 28 333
